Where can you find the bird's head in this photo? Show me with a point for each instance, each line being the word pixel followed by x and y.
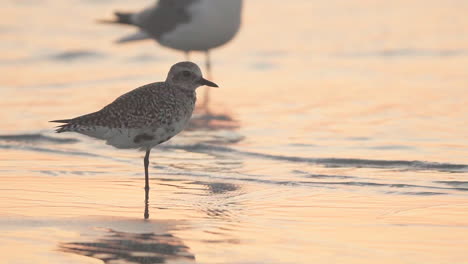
pixel 187 75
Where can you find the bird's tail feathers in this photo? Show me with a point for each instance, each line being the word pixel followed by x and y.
pixel 64 128
pixel 61 121
pixel 68 126
pixel 120 18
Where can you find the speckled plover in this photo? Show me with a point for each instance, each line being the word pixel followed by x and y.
pixel 146 116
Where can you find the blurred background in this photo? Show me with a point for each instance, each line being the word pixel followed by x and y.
pixel 338 135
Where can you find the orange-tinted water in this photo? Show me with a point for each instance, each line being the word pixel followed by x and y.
pixel 339 136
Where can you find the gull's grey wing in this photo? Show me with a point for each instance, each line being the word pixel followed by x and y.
pixel 163 17
pixel 138 108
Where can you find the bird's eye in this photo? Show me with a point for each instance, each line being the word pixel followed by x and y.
pixel 186 73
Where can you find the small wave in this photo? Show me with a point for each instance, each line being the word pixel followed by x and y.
pixel 333 162
pixel 389 188
pixel 389 185
pixel 321 176
pixel 60 172
pixel 408 53
pixel 47 150
pixel 392 147
pixel 35 138
pixel 75 55
pixel 462 184
pixel 418 193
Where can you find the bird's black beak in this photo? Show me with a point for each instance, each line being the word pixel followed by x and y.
pixel 203 81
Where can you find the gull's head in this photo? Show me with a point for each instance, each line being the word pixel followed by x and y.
pixel 187 75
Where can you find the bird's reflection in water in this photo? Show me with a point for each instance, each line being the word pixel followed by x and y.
pixel 221 187
pixel 122 247
pixel 204 119
pixel 222 203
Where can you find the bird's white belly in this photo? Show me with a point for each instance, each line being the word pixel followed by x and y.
pixel 137 137
pixel 213 23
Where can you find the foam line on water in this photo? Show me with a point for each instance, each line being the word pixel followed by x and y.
pixel 329 184
pixel 332 162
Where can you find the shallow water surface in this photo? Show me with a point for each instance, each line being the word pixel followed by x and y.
pixel 338 136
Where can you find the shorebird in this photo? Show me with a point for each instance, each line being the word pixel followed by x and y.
pixel 185 25
pixel 146 116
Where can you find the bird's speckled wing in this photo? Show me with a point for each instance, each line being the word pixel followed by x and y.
pixel 151 105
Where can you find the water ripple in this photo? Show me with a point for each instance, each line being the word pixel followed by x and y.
pixel 408 52
pixel 34 138
pixel 334 162
pixel 48 150
pixel 73 55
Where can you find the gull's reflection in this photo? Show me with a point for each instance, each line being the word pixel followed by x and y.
pixel 122 247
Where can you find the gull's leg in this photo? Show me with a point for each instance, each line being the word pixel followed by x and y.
pixel 146 162
pixel 206 97
pixel 208 64
pixel 187 55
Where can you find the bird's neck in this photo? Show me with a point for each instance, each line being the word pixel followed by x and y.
pixel 188 92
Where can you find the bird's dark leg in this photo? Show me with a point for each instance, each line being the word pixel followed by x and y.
pixel 146 162
pixel 206 98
